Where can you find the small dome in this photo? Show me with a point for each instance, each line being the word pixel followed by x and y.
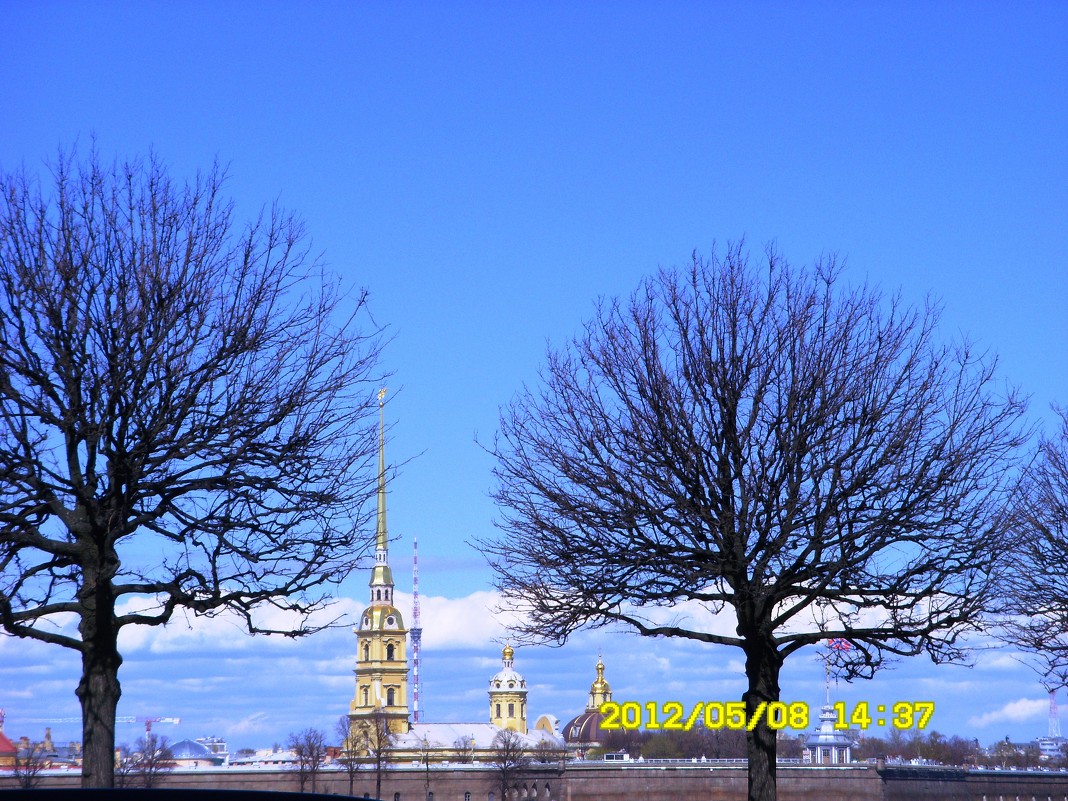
pixel 506 678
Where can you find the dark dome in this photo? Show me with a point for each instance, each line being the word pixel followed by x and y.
pixel 586 728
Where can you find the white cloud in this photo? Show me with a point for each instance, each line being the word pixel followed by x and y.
pixel 468 622
pixel 1022 709
pixel 250 724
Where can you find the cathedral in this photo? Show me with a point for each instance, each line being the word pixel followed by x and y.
pixel 381 698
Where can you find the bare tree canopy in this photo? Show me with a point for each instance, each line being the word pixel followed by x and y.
pixel 1036 580
pixel 348 751
pixel 186 417
pixel 803 457
pixel 510 760
pixel 309 747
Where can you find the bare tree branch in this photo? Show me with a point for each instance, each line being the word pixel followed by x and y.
pixel 510 760
pixel 309 747
pixel 186 412
pixel 803 458
pixel 1035 582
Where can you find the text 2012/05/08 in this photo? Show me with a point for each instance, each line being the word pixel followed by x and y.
pixel 674 716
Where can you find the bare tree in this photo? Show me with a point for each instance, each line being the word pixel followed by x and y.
pixel 29 762
pixel 463 749
pixel 142 764
pixel 376 739
pixel 309 747
pixel 804 459
pixel 125 764
pixel 184 419
pixel 1036 580
pixel 349 751
pixel 510 760
pixel 153 758
pixel 548 752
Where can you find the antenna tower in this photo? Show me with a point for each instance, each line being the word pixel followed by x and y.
pixel 1054 715
pixel 416 630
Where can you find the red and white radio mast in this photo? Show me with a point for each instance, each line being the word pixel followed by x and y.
pixel 416 630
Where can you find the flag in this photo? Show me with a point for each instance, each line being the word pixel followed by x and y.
pixel 839 644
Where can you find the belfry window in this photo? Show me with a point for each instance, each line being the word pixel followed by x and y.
pixel 366 651
pixel 389 652
pixel 511 710
pixel 498 711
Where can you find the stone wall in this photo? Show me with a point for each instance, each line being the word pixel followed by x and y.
pixel 673 782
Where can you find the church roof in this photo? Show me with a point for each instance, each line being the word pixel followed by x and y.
pixel 584 728
pixel 826 734
pixel 381 617
pixel 190 749
pixel 507 678
pixel 445 735
pixel 6 746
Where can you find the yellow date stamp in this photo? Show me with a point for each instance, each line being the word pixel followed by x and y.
pixel 902 715
pixel 676 716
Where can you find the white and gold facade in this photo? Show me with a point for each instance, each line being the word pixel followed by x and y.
pixel 508 696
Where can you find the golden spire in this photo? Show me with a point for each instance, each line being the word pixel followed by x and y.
pixel 382 539
pixel 381 576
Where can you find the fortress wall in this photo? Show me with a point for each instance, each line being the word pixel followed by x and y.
pixel 642 783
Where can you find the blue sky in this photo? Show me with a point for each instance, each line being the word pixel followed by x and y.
pixel 488 171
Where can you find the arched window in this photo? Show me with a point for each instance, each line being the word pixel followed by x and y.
pixel 511 710
pixel 365 696
pixel 389 652
pixel 390 695
pixel 366 651
pixel 497 715
pixel 380 595
pixel 396 797
pixel 467 796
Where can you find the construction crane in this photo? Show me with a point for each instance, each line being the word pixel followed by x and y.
pixel 148 721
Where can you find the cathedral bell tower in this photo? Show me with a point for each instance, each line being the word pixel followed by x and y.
pixel 381 639
pixel 508 695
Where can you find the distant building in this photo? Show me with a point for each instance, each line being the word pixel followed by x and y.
pixel 828 745
pixel 382 678
pixel 508 696
pixel 8 750
pixel 195 754
pixel 1052 747
pixel 584 731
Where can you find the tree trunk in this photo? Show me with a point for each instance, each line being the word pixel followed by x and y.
pixel 762 665
pixel 99 688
